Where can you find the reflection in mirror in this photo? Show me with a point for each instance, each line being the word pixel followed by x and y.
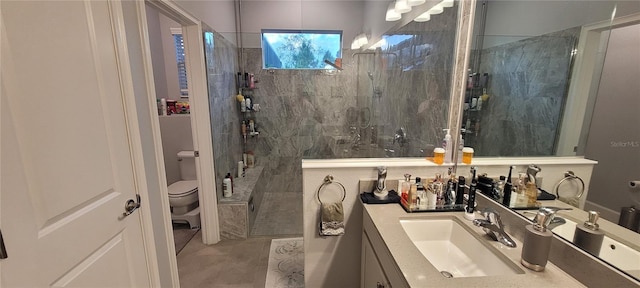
pixel 520 70
pixel 533 86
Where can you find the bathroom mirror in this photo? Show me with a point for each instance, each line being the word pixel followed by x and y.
pixel 529 87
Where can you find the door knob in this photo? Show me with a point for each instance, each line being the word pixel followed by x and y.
pixel 131 205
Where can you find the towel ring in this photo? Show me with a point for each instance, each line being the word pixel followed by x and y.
pixel 569 175
pixel 327 181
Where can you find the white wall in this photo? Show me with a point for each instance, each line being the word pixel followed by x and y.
pixel 614 137
pixel 279 14
pixel 157 52
pixel 217 14
pixel 513 20
pixel 169 52
pixel 335 261
pixel 176 137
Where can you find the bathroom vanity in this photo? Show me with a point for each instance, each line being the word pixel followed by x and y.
pixel 394 253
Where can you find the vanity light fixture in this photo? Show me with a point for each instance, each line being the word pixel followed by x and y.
pixel 392 15
pixel 417 2
pixel 402 6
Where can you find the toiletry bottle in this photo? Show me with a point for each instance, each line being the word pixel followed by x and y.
pixel 405 186
pixel 531 193
pixel 537 242
pixel 227 187
pixel 244 131
pixel 243 105
pixel 247 101
pixel 451 188
pixel 440 190
pixel 588 236
pixel 448 146
pixel 163 106
pixel 421 194
pixel 432 195
pixel 500 187
pixel 413 196
pixel 251 127
pixel 460 192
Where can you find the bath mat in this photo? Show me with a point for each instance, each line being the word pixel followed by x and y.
pixel 182 235
pixel 286 264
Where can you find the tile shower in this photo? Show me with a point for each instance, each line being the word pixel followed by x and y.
pixel 318 114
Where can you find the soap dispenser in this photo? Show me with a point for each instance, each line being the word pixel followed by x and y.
pixel 537 241
pixel 448 146
pixel 588 236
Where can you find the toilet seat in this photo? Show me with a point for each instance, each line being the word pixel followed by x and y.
pixel 183 188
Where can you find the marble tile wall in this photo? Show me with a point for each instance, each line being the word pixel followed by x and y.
pixel 318 114
pixel 527 87
pixel 222 65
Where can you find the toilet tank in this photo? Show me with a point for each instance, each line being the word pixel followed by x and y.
pixel 187 164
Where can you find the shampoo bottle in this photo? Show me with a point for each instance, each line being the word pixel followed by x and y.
pixel 537 242
pixel 588 236
pixel 227 187
pixel 448 146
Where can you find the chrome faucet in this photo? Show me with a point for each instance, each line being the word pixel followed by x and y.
pixel 492 225
pixel 400 137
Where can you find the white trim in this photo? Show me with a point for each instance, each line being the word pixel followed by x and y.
pixel 200 122
pixel 584 85
pixel 157 142
pixel 135 143
pixel 175 31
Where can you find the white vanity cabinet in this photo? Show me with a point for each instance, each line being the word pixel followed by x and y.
pixel 372 274
pixel 378 268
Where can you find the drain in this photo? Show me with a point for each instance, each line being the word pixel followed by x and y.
pixel 446 274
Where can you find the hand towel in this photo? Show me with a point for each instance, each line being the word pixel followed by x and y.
pixel 331 219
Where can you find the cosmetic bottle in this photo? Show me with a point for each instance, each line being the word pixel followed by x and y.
pixel 588 236
pixel 405 186
pixel 451 188
pixel 460 192
pixel 413 197
pixel 163 106
pixel 421 194
pixel 432 195
pixel 244 131
pixel 243 105
pixel 247 103
pixel 537 242
pixel 440 190
pixel 531 193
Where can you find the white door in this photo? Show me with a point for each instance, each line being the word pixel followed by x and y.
pixel 66 160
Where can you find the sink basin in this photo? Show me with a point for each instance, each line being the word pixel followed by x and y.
pixel 451 247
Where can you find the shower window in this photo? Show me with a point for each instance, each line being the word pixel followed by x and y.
pixel 300 49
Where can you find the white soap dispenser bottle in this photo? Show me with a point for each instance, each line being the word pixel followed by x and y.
pixel 448 146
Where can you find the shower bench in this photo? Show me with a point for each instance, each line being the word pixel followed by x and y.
pixel 238 213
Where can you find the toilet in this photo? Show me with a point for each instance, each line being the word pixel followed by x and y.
pixel 183 195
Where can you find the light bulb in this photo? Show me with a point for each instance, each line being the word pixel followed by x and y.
pixel 415 2
pixel 392 15
pixel 424 17
pixel 402 6
pixel 436 9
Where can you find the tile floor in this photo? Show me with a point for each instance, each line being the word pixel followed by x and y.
pixel 230 263
pixel 242 263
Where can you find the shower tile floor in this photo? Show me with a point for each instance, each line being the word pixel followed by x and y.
pixel 280 213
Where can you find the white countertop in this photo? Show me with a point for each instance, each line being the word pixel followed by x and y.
pixel 419 272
